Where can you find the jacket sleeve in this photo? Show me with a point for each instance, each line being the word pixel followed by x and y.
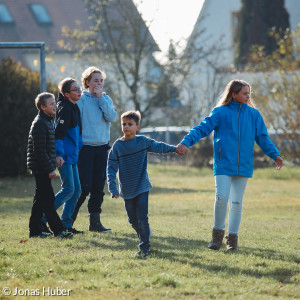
pixel 263 140
pixel 203 129
pixel 107 107
pixel 112 170
pixel 63 123
pixel 39 136
pixel 159 147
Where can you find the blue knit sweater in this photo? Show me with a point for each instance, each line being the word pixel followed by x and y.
pixel 129 157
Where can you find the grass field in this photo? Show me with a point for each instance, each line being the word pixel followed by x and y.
pixel 102 266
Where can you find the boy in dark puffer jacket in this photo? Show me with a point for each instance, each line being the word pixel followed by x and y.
pixel 41 159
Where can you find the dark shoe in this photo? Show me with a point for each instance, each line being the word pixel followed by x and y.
pixel 142 255
pixel 217 238
pixel 41 235
pixel 231 241
pixel 64 234
pixel 74 231
pixel 96 225
pixel 45 228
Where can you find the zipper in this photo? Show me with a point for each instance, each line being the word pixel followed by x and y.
pixel 239 142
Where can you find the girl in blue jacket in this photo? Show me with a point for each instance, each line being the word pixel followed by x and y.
pixel 237 124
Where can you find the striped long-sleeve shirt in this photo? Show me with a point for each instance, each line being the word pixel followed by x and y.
pixel 129 157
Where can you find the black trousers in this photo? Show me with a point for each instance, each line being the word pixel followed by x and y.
pixel 92 164
pixel 43 203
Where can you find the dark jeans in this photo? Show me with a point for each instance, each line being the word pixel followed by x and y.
pixel 92 164
pixel 137 212
pixel 43 202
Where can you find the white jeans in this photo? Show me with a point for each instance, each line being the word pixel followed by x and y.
pixel 230 188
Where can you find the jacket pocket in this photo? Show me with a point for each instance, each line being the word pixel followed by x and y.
pixel 219 156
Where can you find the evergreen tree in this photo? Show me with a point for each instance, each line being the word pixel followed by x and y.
pixel 19 87
pixel 258 18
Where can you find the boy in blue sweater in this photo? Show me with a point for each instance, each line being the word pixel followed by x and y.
pixel 68 143
pixel 129 156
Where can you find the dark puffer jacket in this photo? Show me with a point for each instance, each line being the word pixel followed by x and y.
pixel 41 150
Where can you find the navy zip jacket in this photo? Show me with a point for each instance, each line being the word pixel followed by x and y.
pixel 236 127
pixel 68 130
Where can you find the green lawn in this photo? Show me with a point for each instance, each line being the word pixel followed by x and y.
pixel 102 266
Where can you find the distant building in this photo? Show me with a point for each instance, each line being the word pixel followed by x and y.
pixel 42 21
pixel 218 22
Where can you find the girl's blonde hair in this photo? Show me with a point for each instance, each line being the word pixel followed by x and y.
pixel 88 73
pixel 234 86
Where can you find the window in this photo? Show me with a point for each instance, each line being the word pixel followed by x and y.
pixel 40 13
pixel 5 16
pixel 235 18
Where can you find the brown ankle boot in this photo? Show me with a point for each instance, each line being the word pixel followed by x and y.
pixel 231 241
pixel 217 238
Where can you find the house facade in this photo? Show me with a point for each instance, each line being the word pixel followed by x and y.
pixel 42 21
pixel 215 29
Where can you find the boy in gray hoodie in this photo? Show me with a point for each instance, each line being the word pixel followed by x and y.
pixel 97 112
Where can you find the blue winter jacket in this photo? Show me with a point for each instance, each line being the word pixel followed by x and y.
pixel 236 126
pixel 68 130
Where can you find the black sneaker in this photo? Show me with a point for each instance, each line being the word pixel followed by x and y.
pixel 45 228
pixel 142 255
pixel 64 234
pixel 74 231
pixel 41 235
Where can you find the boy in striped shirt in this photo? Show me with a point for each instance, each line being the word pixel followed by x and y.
pixel 128 156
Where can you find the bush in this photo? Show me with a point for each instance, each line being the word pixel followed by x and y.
pixel 19 86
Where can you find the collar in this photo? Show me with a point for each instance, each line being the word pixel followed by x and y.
pixel 43 115
pixel 238 105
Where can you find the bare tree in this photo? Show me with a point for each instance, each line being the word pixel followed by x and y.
pixel 121 41
pixel 277 90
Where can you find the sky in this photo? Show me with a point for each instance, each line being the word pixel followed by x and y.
pixel 171 19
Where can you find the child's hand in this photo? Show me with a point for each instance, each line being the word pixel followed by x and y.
pixel 98 91
pixel 116 196
pixel 181 149
pixel 279 162
pixel 52 174
pixel 59 161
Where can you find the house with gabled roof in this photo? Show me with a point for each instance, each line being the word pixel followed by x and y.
pixel 42 21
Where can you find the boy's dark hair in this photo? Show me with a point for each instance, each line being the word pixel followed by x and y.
pixel 88 73
pixel 134 115
pixel 65 85
pixel 41 99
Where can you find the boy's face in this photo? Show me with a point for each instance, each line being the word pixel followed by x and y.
pixel 50 107
pixel 75 92
pixel 96 83
pixel 129 128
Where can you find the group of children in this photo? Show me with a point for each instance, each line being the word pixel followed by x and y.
pixel 80 141
pixel 78 145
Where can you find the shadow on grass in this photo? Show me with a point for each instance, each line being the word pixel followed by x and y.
pixel 166 190
pixel 194 253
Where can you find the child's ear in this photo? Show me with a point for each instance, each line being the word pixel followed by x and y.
pixel 43 107
pixel 138 127
pixel 67 95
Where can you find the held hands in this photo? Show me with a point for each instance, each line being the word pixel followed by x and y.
pixel 59 161
pixel 116 196
pixel 52 175
pixel 181 149
pixel 279 162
